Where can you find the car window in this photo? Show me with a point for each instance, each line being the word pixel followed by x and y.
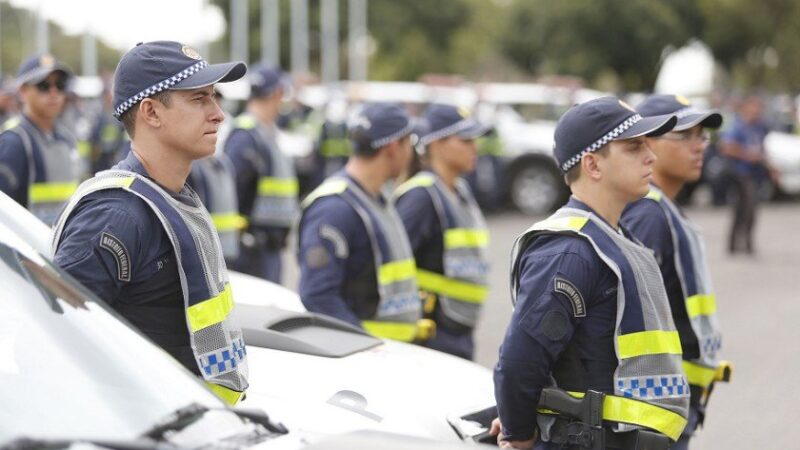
pixel 70 368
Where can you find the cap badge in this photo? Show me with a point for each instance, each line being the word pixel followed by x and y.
pixel 463 112
pixel 682 100
pixel 191 53
pixel 363 122
pixel 46 61
pixel 626 106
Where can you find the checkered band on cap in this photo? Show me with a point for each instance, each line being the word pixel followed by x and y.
pixel 598 144
pixel 689 110
pixel 378 143
pixel 445 132
pixel 158 87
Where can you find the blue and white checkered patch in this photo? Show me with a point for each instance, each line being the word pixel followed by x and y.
pixel 158 87
pixel 711 345
pixel 224 360
pixel 649 388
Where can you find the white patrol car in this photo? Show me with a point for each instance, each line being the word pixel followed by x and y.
pixel 321 375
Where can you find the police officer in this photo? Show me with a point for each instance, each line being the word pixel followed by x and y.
pixel 658 223
pixel 265 178
pixel 355 260
pixel 332 147
pixel 140 238
pixel 447 230
pixel 107 139
pixel 591 314
pixel 39 163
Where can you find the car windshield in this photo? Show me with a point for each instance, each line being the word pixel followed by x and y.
pixel 70 368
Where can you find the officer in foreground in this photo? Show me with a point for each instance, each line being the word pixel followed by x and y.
pixel 659 224
pixel 591 314
pixel 140 238
pixel 39 163
pixel 447 231
pixel 356 263
pixel 265 178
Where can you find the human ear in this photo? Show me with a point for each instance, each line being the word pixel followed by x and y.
pixel 150 112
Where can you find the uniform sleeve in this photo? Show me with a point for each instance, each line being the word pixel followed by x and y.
pixel 241 151
pixel 541 327
pixel 13 167
pixel 647 222
pixel 100 246
pixel 325 231
pixel 419 217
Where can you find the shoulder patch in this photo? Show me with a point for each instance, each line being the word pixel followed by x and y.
pixel 336 237
pixel 120 254
pixel 573 294
pixel 317 257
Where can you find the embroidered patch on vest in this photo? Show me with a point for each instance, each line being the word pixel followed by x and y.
pixel 332 234
pixel 120 254
pixel 573 294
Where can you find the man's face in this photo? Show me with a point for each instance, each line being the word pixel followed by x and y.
pixel 45 99
pixel 459 153
pixel 680 153
pixel 191 121
pixel 403 154
pixel 627 169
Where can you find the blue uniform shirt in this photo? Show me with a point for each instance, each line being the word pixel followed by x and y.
pixel 337 265
pixel 14 170
pixel 750 137
pixel 150 296
pixel 544 338
pixel 424 231
pixel 647 221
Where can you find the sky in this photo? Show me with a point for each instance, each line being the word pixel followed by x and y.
pixel 123 23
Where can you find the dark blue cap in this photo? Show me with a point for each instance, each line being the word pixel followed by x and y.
pixel 265 78
pixel 153 67
pixel 38 67
pixel 688 116
pixel 378 124
pixel 446 120
pixel 591 125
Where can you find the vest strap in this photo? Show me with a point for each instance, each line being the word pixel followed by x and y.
pixel 212 311
pixel 396 271
pixel 229 396
pixel 278 187
pixel 649 343
pixel 636 412
pixel 455 289
pixel 701 305
pixel 51 192
pixel 229 221
pixel 465 238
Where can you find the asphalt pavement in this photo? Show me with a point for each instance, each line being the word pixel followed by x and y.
pixel 759 307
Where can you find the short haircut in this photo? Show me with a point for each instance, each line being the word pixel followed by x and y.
pixel 129 117
pixel 574 172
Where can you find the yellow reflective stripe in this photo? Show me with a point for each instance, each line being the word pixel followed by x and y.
pixel 458 290
pixel 465 238
pixel 51 192
pixel 278 187
pixel 84 149
pixel 332 148
pixel 330 187
pixel 211 311
pixel 701 305
pixel 396 271
pixel 699 375
pixel 420 180
pixel 229 221
pixel 245 122
pixel 399 331
pixel 653 195
pixel 649 343
pixel 562 223
pixel 637 412
pixel 229 396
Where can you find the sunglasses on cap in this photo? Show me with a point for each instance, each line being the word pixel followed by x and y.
pixel 44 85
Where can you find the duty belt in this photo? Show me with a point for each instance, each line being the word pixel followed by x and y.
pixel 581 417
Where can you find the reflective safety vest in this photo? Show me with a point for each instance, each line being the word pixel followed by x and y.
pixel 276 201
pixel 223 203
pixel 647 345
pixel 695 278
pixel 399 309
pixel 51 184
pixel 463 287
pixel 216 340
pixel 334 147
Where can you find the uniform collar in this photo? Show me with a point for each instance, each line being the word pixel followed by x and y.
pixel 132 164
pixel 577 204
